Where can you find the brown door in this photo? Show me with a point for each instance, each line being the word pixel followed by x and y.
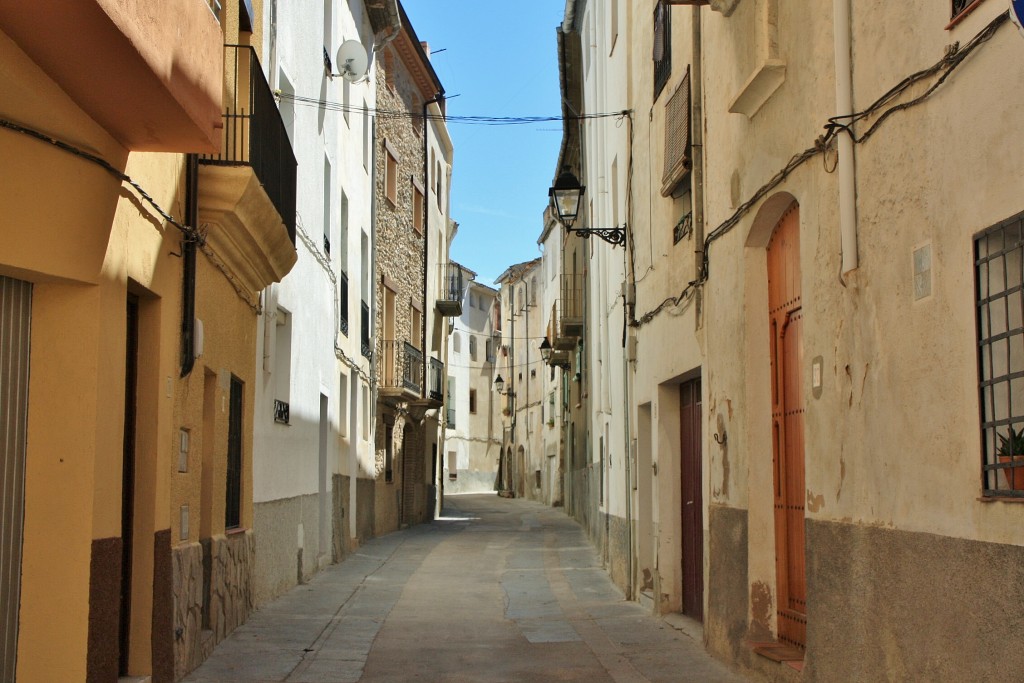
pixel 785 321
pixel 692 500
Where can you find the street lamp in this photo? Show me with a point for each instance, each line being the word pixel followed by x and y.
pixel 545 350
pixel 499 384
pixel 566 195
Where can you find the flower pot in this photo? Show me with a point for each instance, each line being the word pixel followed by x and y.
pixel 1014 475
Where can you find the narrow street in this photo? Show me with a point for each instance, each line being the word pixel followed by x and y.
pixel 495 590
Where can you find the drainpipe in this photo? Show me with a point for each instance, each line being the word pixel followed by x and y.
pixel 844 109
pixel 697 138
pixel 188 266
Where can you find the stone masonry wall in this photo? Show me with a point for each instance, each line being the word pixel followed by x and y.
pixel 230 569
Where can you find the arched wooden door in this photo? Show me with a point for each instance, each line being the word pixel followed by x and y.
pixel 786 327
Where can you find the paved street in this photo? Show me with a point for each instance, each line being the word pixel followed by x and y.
pixel 496 590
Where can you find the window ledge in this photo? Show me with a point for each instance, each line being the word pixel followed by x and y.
pixel 1000 499
pixel 759 87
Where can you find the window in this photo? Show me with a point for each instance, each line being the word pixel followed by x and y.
pixel 417 208
pixel 455 342
pixel 366 136
pixel 439 178
pixel 472 401
pixel 416 315
pixel 450 402
pixel 453 466
pixel 999 287
pixel 677 138
pixel 662 46
pixel 343 414
pixel 282 366
pixel 233 492
pixel 390 174
pixel 472 347
pixel 489 346
pixel 342 246
pixel 343 302
pixel 472 299
pixel 389 453
pixel 963 7
pixel 327 206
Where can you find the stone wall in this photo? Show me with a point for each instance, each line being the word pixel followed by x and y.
pixel 228 562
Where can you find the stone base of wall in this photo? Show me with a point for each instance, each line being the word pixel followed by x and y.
pixel 726 620
pixel 365 513
pixel 281 561
pixel 618 552
pixel 898 605
pixel 225 564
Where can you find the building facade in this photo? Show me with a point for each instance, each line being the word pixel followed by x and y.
pixel 810 235
pixel 473 415
pixel 154 259
pixel 413 162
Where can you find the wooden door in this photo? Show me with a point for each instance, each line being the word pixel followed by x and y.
pixel 786 324
pixel 692 499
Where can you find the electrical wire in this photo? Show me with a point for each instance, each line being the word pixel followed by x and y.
pixel 480 120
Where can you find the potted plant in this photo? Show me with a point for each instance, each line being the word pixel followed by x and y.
pixel 1011 450
pixel 551 422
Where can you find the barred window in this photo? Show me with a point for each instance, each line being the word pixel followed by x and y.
pixel 662 46
pixel 999 287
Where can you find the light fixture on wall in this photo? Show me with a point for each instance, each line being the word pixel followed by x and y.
pixel 499 384
pixel 545 350
pixel 566 196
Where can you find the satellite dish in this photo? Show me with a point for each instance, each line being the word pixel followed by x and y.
pixel 352 60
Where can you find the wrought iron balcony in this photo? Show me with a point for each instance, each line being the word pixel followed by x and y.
pixel 364 331
pixel 254 134
pixel 449 298
pixel 343 302
pixel 435 380
pixel 401 370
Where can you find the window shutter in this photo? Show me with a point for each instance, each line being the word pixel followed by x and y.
pixel 677 137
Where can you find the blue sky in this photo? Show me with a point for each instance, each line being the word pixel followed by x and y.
pixel 501 59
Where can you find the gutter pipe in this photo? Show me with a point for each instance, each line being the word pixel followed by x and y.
pixel 844 110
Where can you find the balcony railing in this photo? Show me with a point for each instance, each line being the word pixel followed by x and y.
pixel 254 134
pixel 449 298
pixel 343 302
pixel 401 366
pixel 435 380
pixel 364 331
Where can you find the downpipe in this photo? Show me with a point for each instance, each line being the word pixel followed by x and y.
pixel 844 110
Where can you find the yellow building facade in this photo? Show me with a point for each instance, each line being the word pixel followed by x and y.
pixel 103 204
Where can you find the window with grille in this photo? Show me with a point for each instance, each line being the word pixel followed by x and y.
pixel 233 492
pixel 962 7
pixel 999 286
pixel 677 137
pixel 662 46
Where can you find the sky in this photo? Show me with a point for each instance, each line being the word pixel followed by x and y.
pixel 498 59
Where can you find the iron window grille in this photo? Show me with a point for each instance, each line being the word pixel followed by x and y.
pixel 683 228
pixel 662 46
pixel 999 288
pixel 961 6
pixel 282 412
pixel 435 380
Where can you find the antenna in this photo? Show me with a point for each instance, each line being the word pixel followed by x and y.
pixel 352 61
